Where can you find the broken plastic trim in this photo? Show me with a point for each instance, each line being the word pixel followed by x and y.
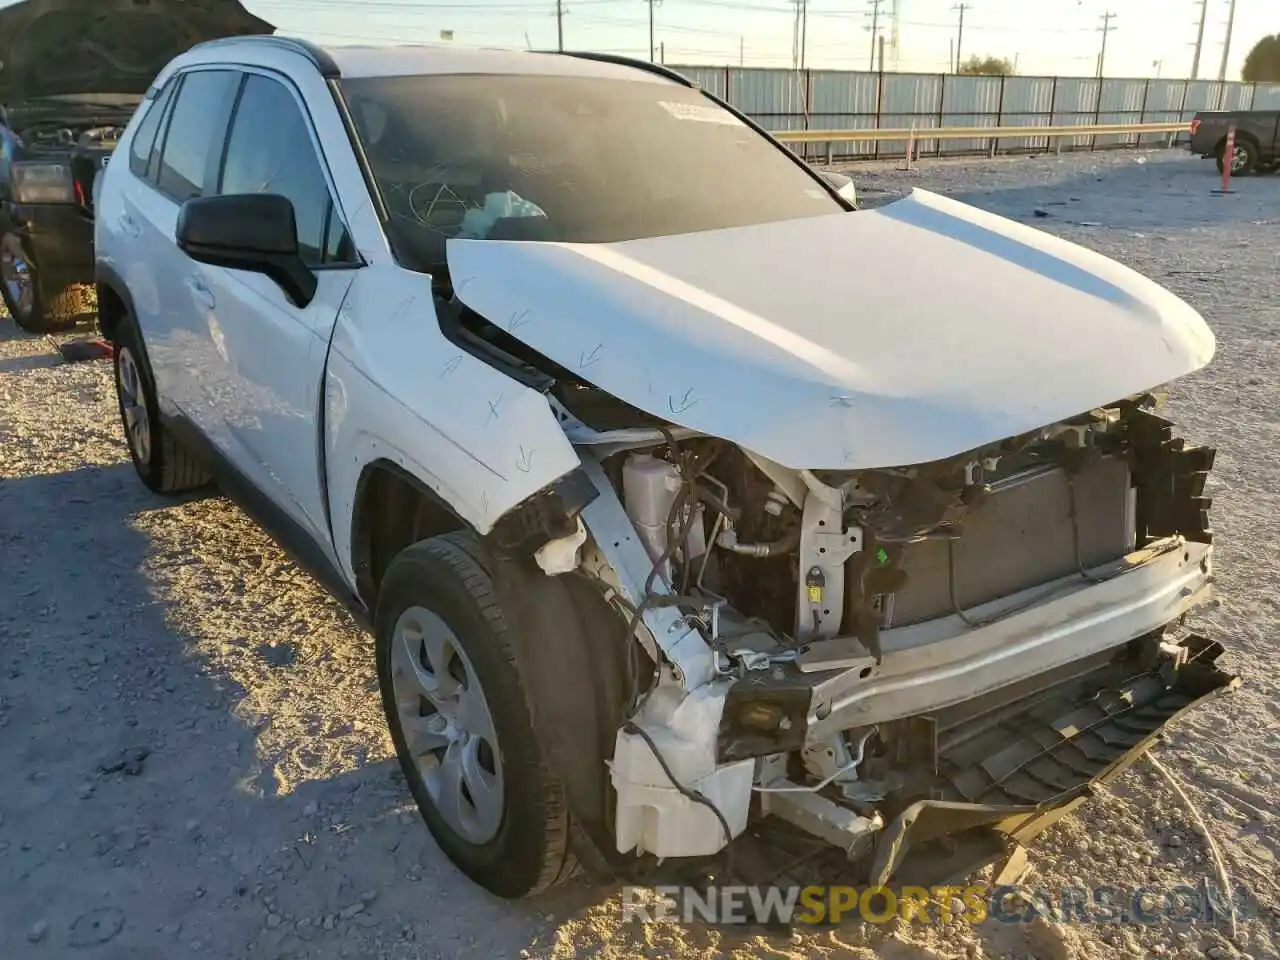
pixel 549 514
pixel 1170 477
pixel 1052 754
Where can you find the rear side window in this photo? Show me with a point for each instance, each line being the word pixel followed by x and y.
pixel 195 134
pixel 145 138
pixel 269 150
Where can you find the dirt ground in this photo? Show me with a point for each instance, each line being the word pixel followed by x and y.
pixel 193 760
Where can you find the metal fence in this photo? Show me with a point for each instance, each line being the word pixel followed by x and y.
pixel 852 100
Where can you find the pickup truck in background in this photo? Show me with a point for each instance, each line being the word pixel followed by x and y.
pixel 1257 138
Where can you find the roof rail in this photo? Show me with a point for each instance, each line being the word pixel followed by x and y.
pixel 648 66
pixel 327 66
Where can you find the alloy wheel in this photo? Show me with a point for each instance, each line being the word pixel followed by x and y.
pixel 16 274
pixel 447 724
pixel 133 405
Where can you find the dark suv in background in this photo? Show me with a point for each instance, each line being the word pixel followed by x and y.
pixel 71 74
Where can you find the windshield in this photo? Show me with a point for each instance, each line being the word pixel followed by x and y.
pixel 569 159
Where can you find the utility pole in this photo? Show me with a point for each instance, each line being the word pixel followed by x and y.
pixel 875 27
pixel 1106 29
pixel 651 4
pixel 882 53
pixel 804 34
pixel 742 54
pixel 962 7
pixel 560 25
pixel 1226 44
pixel 1195 63
pixel 795 37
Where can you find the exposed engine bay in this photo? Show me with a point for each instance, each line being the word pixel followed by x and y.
pixel 953 642
pixel 86 147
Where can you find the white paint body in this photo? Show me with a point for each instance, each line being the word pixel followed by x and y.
pixel 894 336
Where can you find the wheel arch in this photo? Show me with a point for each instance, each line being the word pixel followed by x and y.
pixel 1242 136
pixel 114 300
pixel 392 509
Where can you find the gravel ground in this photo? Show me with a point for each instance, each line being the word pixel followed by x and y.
pixel 194 759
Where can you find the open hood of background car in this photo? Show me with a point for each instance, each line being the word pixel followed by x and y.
pixel 58 47
pixel 893 336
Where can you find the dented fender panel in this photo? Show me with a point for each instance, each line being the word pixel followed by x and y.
pixel 397 389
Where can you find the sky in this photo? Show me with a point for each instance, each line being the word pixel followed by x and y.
pixel 1147 37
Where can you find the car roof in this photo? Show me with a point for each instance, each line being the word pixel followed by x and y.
pixel 390 61
pixel 397 60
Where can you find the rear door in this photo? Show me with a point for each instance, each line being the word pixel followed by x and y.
pixel 173 304
pixel 272 353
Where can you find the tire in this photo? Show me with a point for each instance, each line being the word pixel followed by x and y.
pixel 1247 155
pixel 162 463
pixel 437 596
pixel 23 293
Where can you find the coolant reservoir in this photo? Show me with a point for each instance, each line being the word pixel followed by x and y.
pixel 649 488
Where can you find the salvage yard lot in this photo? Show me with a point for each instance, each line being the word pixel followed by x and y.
pixel 193 759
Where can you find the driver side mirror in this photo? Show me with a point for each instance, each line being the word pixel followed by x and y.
pixel 256 232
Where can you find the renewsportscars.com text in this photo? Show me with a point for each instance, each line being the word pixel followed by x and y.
pixel 1203 902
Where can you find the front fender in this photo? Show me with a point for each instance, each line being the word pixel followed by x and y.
pixel 396 389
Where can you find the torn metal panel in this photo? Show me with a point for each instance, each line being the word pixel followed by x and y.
pixel 616 538
pixel 875 337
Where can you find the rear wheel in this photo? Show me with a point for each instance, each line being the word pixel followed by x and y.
pixel 161 462
pixel 456 707
pixel 1244 161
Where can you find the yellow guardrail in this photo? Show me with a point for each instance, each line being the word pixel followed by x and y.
pixel 913 135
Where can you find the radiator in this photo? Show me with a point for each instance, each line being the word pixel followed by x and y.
pixel 1018 537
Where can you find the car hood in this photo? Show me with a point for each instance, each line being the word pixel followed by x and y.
pixel 904 334
pixel 58 47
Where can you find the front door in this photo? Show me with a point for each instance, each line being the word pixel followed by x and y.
pixel 273 351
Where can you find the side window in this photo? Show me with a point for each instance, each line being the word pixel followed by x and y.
pixel 145 138
pixel 195 133
pixel 337 241
pixel 269 150
pixel 153 162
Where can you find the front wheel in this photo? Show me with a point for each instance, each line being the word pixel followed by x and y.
pixel 161 462
pixel 456 707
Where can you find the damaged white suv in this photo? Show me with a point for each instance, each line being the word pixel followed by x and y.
pixel 688 503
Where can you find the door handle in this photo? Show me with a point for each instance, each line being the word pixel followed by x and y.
pixel 202 293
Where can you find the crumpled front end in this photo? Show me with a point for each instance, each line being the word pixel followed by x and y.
pixel 883 659
pixel 905 553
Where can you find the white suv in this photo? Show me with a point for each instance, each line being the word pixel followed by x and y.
pixel 680 494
